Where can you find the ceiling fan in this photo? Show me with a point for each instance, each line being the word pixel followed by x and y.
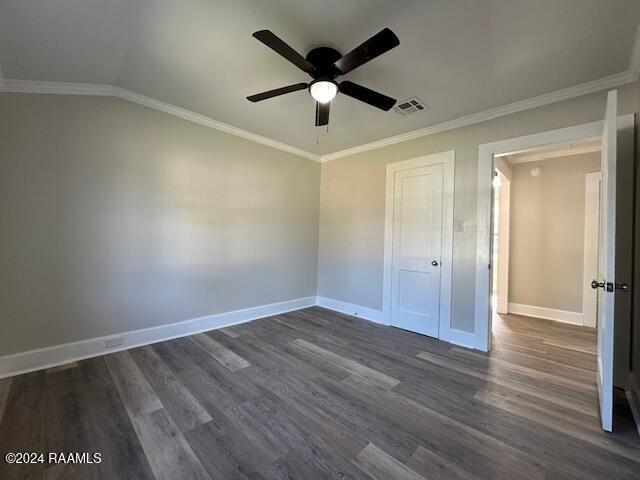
pixel 324 64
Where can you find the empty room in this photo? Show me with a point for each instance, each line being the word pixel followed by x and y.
pixel 354 239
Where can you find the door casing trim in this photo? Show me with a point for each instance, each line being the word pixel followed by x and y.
pixel 486 152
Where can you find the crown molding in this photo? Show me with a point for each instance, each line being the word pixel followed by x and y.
pixel 70 88
pixel 209 122
pixel 61 88
pixel 610 81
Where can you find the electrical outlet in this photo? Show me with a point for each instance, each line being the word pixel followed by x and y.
pixel 113 342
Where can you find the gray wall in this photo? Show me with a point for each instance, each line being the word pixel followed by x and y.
pixel 624 254
pixel 115 217
pixel 352 201
pixel 546 256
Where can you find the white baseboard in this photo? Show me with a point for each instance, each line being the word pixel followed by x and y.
pixel 370 314
pixel 564 316
pixel 457 337
pixel 32 360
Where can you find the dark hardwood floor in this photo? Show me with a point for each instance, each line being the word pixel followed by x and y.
pixel 316 394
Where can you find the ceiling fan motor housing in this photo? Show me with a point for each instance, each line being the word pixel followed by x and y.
pixel 324 64
pixel 323 60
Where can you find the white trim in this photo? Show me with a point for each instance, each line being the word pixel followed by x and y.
pixel 454 336
pixel 533 157
pixel 447 159
pixel 69 88
pixel 366 313
pixel 503 167
pixel 611 81
pixel 60 88
pixel 504 237
pixel 590 259
pixel 209 122
pixel 482 321
pixel 564 316
pixel 32 360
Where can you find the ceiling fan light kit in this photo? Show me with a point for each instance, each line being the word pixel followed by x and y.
pixel 324 64
pixel 323 91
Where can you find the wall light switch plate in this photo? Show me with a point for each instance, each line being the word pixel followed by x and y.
pixel 459 225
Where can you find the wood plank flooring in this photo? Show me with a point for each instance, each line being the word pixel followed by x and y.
pixel 317 394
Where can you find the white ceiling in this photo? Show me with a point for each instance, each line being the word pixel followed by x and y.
pixel 459 56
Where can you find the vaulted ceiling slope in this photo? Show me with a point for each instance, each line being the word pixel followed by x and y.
pixel 458 56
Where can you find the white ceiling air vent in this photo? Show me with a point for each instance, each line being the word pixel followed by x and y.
pixel 410 106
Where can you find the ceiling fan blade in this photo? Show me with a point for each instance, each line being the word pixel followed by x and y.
pixel 279 46
pixel 278 91
pixel 380 43
pixel 322 113
pixel 366 95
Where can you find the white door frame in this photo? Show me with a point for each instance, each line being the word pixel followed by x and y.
pixel 504 234
pixel 590 270
pixel 447 159
pixel 482 320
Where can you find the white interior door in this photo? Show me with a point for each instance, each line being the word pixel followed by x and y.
pixel 417 249
pixel 606 262
pixel 590 261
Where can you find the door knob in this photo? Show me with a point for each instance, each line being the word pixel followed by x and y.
pixel 623 287
pixel 434 263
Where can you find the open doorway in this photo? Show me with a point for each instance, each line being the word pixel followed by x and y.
pixel 544 249
pixel 615 136
pixel 545 226
pixel 545 235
